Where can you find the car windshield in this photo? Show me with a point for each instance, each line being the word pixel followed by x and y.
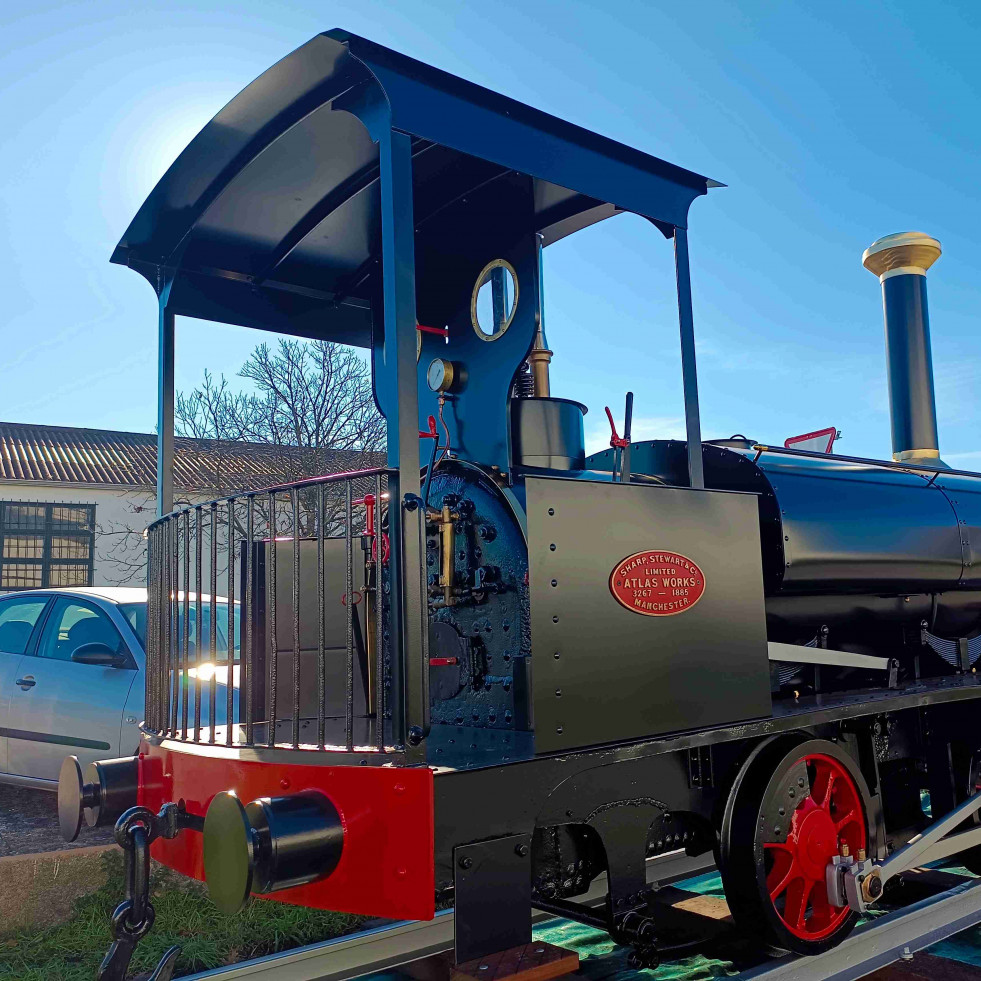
pixel 135 613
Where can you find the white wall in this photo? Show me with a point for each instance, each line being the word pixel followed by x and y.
pixel 121 515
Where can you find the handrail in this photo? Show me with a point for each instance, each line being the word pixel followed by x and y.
pixel 886 464
pixel 280 488
pixel 284 557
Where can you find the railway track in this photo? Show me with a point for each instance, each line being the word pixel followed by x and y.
pixel 387 947
pixel 889 938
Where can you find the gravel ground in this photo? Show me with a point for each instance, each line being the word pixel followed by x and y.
pixel 29 823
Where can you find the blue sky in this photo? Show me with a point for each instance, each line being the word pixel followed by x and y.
pixel 833 123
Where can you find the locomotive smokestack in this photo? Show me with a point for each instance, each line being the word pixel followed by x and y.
pixel 901 262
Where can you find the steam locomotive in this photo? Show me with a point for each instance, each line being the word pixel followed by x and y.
pixel 497 668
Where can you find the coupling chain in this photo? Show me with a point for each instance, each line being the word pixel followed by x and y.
pixel 133 918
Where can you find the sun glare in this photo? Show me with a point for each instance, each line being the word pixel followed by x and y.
pixel 146 141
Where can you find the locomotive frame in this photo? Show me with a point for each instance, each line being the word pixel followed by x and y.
pixel 355 195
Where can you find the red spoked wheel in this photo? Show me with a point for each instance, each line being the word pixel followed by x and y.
pixel 789 813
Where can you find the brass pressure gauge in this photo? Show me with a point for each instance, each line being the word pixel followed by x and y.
pixel 441 375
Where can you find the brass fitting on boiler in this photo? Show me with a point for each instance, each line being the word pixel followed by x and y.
pixel 539 359
pixel 540 356
pixel 447 543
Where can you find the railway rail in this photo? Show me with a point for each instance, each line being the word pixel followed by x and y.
pixel 889 938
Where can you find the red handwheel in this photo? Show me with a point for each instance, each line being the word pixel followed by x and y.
pixel 791 810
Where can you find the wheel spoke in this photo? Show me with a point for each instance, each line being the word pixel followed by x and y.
pixel 829 790
pixel 822 786
pixel 795 905
pixel 822 912
pixel 825 816
pixel 782 874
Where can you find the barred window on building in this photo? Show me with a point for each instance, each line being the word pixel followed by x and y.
pixel 46 544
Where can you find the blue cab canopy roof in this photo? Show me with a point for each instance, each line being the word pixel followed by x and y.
pixel 271 217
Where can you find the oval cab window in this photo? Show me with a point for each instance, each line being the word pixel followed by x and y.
pixel 495 298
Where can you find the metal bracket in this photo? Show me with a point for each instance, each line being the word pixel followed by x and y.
pixel 858 883
pixel 795 654
pixel 491 896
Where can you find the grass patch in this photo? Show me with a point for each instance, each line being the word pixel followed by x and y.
pixel 185 916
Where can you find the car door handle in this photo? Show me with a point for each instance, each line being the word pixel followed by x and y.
pixel 26 682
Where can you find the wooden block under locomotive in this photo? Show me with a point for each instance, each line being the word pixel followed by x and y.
pixel 560 665
pixel 646 610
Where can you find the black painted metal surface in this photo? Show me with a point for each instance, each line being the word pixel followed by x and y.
pixel 548 433
pixel 848 541
pixel 492 896
pixel 912 403
pixel 603 672
pixel 303 140
pixel 486 629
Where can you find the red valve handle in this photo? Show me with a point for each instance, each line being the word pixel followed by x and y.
pixel 386 549
pixel 439 331
pixel 369 528
pixel 432 434
pixel 617 442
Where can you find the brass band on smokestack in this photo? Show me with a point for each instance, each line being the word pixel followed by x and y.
pixel 901 262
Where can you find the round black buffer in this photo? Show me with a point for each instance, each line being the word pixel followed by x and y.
pixel 271 844
pixel 108 788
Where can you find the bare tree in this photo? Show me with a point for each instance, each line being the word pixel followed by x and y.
pixel 311 410
pixel 308 411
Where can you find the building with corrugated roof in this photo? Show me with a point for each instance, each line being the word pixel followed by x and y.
pixel 74 503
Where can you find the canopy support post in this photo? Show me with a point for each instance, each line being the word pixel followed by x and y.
pixel 165 409
pixel 689 374
pixel 408 627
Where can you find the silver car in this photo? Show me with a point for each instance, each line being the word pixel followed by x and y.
pixel 71 676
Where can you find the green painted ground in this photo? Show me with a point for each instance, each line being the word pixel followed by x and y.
pixel 601 960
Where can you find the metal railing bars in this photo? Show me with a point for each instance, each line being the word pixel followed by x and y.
pixel 321 624
pixel 249 637
pixel 300 641
pixel 186 625
pixel 213 634
pixel 380 701
pixel 152 642
pixel 272 644
pixel 173 612
pixel 198 623
pixel 294 502
pixel 230 652
pixel 349 620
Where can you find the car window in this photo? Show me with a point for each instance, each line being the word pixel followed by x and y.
pixel 18 618
pixel 136 614
pixel 74 624
pixel 221 630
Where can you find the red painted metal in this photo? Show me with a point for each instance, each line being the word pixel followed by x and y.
pixel 830 435
pixel 616 441
pixel 657 583
pixel 369 524
pixel 439 331
pixel 387 865
pixel 831 815
pixel 443 662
